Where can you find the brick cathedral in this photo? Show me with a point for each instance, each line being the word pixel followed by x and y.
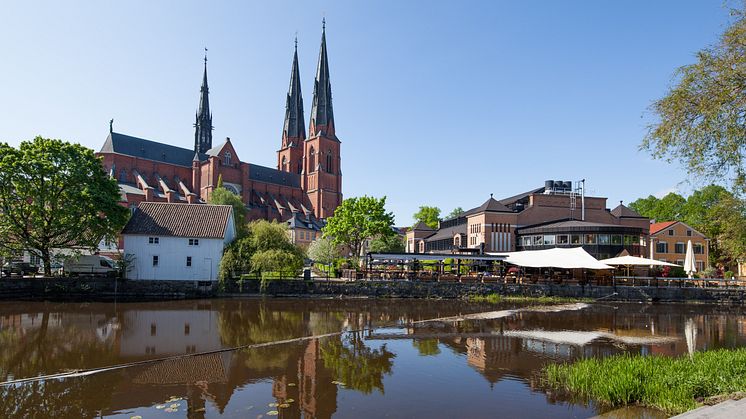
pixel 303 190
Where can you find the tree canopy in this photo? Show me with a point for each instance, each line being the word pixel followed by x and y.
pixel 56 195
pixel 455 213
pixel 713 210
pixel 222 196
pixel 359 219
pixel 323 250
pixel 428 215
pixel 701 122
pixel 387 244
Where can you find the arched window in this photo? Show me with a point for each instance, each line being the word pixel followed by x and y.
pixel 329 162
pixel 300 166
pixel 123 176
pixel 284 164
pixel 227 157
pixel 312 159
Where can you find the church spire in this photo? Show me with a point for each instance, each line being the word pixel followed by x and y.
pixel 294 129
pixel 322 115
pixel 203 119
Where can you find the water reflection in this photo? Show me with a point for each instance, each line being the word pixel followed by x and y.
pixel 383 361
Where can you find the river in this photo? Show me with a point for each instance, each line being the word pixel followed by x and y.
pixel 377 360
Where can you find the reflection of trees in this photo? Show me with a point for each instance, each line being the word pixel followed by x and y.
pixel 426 347
pixel 355 364
pixel 81 397
pixel 256 323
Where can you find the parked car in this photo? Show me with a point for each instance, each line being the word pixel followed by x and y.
pixel 18 268
pixel 90 265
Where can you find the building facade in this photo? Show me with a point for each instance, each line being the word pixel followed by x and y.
pixel 668 242
pixel 553 216
pixel 306 184
pixel 172 241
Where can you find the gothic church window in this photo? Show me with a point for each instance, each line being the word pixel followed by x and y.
pixel 329 161
pixel 284 165
pixel 123 176
pixel 312 159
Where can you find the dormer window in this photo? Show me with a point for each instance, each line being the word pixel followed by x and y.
pixel 227 158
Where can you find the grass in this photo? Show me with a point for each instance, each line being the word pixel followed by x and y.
pixel 673 385
pixel 497 298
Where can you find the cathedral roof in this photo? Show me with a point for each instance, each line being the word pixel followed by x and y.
pixel 146 149
pixel 269 175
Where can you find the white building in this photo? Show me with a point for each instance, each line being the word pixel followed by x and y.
pixel 177 241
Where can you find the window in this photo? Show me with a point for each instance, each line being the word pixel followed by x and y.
pixel 189 262
pixel 630 240
pixel 616 239
pixel 187 329
pixel 300 166
pixel 576 239
pixel 227 157
pixel 329 162
pixel 526 241
pixel 689 233
pixel 680 248
pixel 153 329
pixel 284 165
pixel 670 232
pixel 603 239
pixel 194 242
pixel 699 248
pixel 104 263
pixel 123 176
pixel 538 240
pixel 549 240
pixel 563 239
pixel 152 240
pixel 155 260
pixel 590 239
pixel 312 160
pixel 661 247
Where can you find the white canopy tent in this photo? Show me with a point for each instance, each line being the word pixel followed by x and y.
pixel 635 261
pixel 563 258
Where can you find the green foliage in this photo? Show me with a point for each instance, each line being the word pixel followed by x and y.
pixel 236 258
pixel 355 365
pixel 220 182
pixel 56 195
pixel 222 196
pixel 323 251
pixel 670 384
pixel 713 210
pixel 455 213
pixel 357 220
pixel 426 347
pixel 428 215
pixel 700 122
pixel 277 263
pixel 387 244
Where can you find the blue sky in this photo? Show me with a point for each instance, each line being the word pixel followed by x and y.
pixel 436 103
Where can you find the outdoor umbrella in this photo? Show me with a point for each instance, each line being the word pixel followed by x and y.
pixel 689 265
pixel 629 261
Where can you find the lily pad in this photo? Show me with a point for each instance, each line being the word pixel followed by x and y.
pixel 283 405
pixel 160 406
pixel 136 417
pixel 292 384
pixel 272 405
pixel 339 383
pixel 175 405
pixel 289 400
pixel 273 413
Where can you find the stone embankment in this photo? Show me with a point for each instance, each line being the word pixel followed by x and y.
pixel 107 289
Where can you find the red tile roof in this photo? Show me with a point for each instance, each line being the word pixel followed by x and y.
pixel 657 227
pixel 179 220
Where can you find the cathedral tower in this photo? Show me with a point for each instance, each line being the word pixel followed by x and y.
pixel 290 155
pixel 203 119
pixel 322 174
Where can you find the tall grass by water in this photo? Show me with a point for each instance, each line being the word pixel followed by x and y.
pixel 497 298
pixel 673 385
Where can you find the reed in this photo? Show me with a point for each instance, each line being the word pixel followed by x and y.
pixel 497 298
pixel 673 385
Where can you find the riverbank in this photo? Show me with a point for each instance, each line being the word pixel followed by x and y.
pixel 80 289
pixel 673 385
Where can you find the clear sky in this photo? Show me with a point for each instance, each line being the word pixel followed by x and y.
pixel 436 102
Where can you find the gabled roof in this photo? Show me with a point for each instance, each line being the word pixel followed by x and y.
pixel 269 175
pixel 657 227
pixel 490 205
pixel 421 226
pixel 146 149
pixel 622 211
pixel 179 220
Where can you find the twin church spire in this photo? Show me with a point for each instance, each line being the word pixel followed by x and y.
pixel 294 129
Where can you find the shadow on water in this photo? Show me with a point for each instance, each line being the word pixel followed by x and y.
pixel 384 364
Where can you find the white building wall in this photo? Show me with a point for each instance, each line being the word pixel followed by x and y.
pixel 172 255
pixel 169 332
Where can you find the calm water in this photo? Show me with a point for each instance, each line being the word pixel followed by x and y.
pixel 475 368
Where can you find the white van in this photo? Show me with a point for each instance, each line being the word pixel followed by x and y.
pixel 90 265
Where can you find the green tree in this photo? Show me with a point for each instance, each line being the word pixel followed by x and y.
pixel 236 258
pixel 222 196
pixel 56 195
pixel 670 208
pixel 428 215
pixel 701 121
pixel 387 244
pixel 455 213
pixel 323 251
pixel 277 262
pixel 359 219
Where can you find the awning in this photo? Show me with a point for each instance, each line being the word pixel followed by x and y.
pixel 564 258
pixel 635 261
